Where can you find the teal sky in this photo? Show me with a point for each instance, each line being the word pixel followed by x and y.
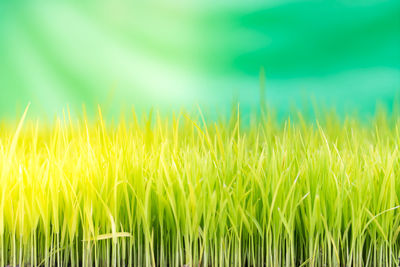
pixel 173 54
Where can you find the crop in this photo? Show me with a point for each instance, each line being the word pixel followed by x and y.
pixel 183 191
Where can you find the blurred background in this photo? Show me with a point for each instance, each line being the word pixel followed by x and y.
pixel 174 54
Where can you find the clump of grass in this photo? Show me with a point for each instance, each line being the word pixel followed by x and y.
pixel 182 192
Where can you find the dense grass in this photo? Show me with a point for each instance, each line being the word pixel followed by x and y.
pixel 182 192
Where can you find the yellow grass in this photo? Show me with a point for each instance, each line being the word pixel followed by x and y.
pixel 180 191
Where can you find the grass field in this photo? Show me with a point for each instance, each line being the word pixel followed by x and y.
pixel 179 191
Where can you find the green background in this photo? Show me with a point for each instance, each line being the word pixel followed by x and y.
pixel 174 54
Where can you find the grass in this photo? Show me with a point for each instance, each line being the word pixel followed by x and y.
pixel 182 192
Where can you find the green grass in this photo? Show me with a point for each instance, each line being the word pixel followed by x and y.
pixel 179 191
